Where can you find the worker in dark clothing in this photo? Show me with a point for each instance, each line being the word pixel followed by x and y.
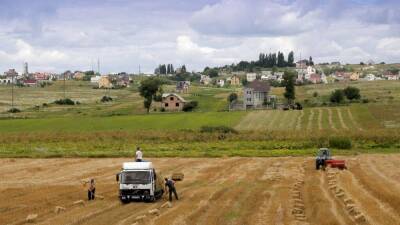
pixel 91 189
pixel 171 188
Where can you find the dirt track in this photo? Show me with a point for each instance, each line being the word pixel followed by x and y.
pixel 215 191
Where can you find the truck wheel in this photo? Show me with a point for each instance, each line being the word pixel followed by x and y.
pixel 124 201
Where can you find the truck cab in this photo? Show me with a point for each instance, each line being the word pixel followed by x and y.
pixel 139 181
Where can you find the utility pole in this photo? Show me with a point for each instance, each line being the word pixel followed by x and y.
pixel 98 66
pixel 139 69
pixel 12 92
pixel 64 85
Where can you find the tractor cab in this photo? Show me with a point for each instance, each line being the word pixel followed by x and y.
pixel 323 155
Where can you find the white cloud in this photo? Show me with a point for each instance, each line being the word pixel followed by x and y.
pixel 69 35
pixel 186 45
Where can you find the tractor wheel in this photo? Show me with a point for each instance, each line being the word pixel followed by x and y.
pixel 317 165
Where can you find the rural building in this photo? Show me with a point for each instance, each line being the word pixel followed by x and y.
pixel 220 82
pixel 370 77
pixel 279 76
pixel 251 77
pixel 30 82
pixel 105 82
pixel 95 79
pixel 40 76
pixel 255 94
pixel 301 64
pixel 354 76
pixel 204 79
pixel 315 78
pixel 182 86
pixel 235 80
pixel 11 73
pixel 390 76
pixel 79 75
pixel 172 102
pixel 6 81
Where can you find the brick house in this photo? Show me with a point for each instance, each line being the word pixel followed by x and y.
pixel 235 80
pixel 172 102
pixel 105 82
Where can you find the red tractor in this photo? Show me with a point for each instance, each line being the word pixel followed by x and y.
pixel 324 159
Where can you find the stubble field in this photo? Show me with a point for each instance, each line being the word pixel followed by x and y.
pixel 284 190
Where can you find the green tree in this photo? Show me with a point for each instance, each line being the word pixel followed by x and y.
pixel 150 89
pixel 337 96
pixel 232 97
pixel 183 70
pixel 352 93
pixel 288 81
pixel 310 62
pixel 290 59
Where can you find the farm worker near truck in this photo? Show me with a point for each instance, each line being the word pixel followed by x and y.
pixel 139 155
pixel 91 189
pixel 171 188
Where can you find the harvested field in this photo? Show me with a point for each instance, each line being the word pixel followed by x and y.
pixel 215 191
pixel 311 119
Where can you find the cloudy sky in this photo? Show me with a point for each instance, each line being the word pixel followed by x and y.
pixel 56 35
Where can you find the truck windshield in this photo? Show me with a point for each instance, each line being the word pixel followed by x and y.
pixel 135 177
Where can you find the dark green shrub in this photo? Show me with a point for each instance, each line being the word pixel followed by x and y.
pixel 190 106
pixel 217 129
pixel 365 100
pixel 337 96
pixel 232 97
pixel 14 110
pixel 352 93
pixel 65 101
pixel 340 143
pixel 106 99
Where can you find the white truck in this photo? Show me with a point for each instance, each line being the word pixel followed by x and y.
pixel 139 181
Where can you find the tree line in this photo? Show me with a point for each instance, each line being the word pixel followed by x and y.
pixel 169 69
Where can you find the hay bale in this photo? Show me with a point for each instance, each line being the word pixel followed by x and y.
pixel 299 206
pixel 360 218
pixel 135 223
pixel 154 212
pixel 341 194
pixel 100 197
pixel 297 211
pixel 177 176
pixel 165 205
pixel 348 201
pixel 59 209
pixel 339 190
pixel 333 187
pixel 31 218
pixel 79 202
pixel 140 218
pixel 350 206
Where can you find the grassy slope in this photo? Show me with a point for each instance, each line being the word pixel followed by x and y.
pixel 166 121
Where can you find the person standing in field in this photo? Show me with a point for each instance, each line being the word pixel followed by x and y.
pixel 91 189
pixel 139 155
pixel 171 188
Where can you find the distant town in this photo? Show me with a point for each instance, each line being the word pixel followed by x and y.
pixel 306 73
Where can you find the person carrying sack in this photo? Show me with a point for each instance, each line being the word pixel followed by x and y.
pixel 171 188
